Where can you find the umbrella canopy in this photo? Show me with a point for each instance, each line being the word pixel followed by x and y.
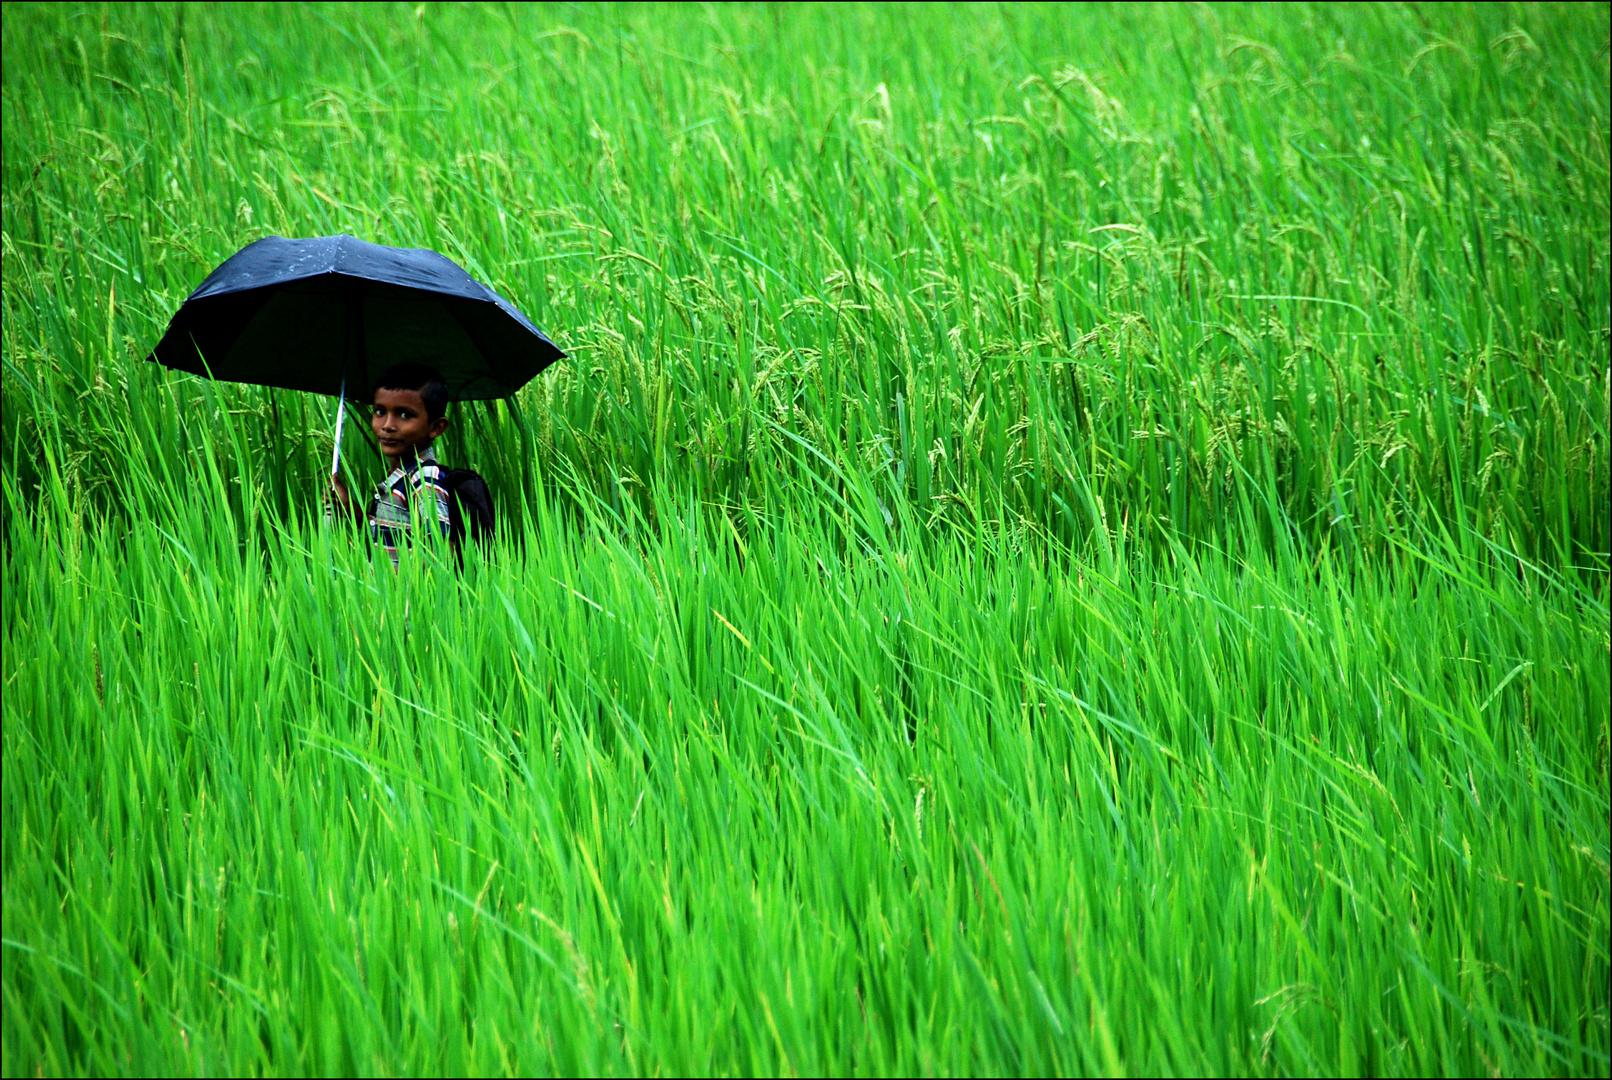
pixel 333 312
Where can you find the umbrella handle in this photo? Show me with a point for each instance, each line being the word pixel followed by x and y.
pixel 341 415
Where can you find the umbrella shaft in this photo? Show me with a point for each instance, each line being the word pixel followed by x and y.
pixel 341 415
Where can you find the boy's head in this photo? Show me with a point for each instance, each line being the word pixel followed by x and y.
pixel 411 404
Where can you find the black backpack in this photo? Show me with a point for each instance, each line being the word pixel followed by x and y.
pixel 470 507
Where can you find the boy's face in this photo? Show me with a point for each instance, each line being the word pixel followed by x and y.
pixel 401 424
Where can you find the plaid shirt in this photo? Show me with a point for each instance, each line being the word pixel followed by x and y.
pixel 392 507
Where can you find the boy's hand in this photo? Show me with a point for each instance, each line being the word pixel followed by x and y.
pixel 340 500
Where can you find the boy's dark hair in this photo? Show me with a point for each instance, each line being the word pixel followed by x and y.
pixel 424 379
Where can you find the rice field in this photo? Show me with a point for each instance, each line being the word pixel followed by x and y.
pixel 1070 540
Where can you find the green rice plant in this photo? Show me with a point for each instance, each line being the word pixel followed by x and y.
pixel 1070 540
pixel 705 803
pixel 1016 263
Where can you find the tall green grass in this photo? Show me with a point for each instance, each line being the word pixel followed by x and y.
pixel 1021 264
pixel 1071 540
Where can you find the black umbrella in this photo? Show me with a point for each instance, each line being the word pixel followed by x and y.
pixel 333 312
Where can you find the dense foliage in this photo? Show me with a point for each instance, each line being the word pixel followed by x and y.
pixel 1070 540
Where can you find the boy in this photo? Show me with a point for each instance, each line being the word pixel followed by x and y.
pixel 409 412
